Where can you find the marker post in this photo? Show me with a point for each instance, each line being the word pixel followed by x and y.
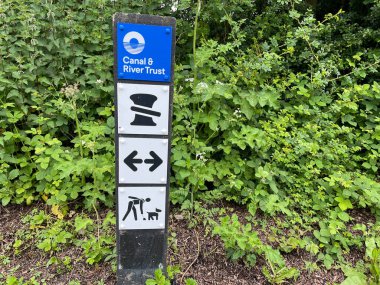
pixel 143 75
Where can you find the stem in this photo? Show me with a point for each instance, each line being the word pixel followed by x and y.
pixel 194 84
pixel 196 256
pixel 363 68
pixel 79 135
pixel 307 41
pixel 192 203
pixel 97 222
pixel 195 38
pixel 195 54
pixel 210 137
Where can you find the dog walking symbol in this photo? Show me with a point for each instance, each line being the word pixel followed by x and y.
pixel 140 202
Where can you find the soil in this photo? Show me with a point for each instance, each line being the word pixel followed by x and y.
pixel 32 262
pixel 202 257
pixel 199 254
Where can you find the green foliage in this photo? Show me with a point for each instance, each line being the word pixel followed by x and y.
pixel 56 97
pixel 279 275
pixel 264 134
pixel 241 241
pixel 276 111
pixel 358 276
pixel 374 268
pixel 283 117
pixel 161 279
pixel 12 280
pixel 52 235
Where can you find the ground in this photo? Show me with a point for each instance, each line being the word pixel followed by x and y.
pixel 199 255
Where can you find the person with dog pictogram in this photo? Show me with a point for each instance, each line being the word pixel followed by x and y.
pixel 132 206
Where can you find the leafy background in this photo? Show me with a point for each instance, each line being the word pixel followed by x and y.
pixel 276 108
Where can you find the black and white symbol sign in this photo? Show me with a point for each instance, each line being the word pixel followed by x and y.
pixel 130 161
pixel 143 160
pixel 133 204
pixel 142 207
pixel 147 101
pixel 143 109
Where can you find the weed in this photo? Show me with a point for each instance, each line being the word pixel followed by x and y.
pixel 241 242
pixel 161 279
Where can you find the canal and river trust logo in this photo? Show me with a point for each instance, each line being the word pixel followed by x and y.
pixel 134 42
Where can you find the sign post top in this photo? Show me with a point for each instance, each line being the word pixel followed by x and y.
pixel 144 19
pixel 144 50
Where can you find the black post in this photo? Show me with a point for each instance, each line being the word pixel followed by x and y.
pixel 143 75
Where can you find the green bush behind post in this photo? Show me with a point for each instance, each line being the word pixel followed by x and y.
pixel 272 109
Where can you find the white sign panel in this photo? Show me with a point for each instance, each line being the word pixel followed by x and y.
pixel 143 160
pixel 142 208
pixel 143 109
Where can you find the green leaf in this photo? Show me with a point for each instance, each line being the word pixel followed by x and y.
pixel 5 201
pixel 111 122
pixel 366 165
pixel 344 216
pixel 274 256
pixel 12 280
pixel 181 163
pixel 241 243
pixel 82 223
pixel 183 173
pixel 328 261
pixel 344 204
pixel 13 174
pixel 7 136
pixel 355 280
pixel 190 281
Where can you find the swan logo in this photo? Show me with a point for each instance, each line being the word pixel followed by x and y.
pixel 134 42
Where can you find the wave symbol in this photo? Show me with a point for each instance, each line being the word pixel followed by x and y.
pixel 134 48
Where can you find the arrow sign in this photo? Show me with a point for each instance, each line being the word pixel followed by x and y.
pixel 156 161
pixel 130 160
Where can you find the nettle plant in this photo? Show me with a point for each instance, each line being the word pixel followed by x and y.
pixel 241 242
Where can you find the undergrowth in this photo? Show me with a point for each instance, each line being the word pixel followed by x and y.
pixel 277 111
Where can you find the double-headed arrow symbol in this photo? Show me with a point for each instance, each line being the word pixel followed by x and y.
pixel 130 161
pixel 155 161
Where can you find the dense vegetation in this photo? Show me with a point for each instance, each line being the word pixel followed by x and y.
pixel 273 109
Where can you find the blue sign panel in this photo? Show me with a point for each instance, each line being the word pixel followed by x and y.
pixel 144 52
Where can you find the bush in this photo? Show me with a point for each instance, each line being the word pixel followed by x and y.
pixel 273 108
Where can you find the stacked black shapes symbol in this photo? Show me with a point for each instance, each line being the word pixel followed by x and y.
pixel 144 104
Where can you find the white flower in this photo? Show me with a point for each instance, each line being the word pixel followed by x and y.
pixel 70 90
pixel 189 79
pixel 200 156
pixel 99 81
pixel 203 85
pixel 237 113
